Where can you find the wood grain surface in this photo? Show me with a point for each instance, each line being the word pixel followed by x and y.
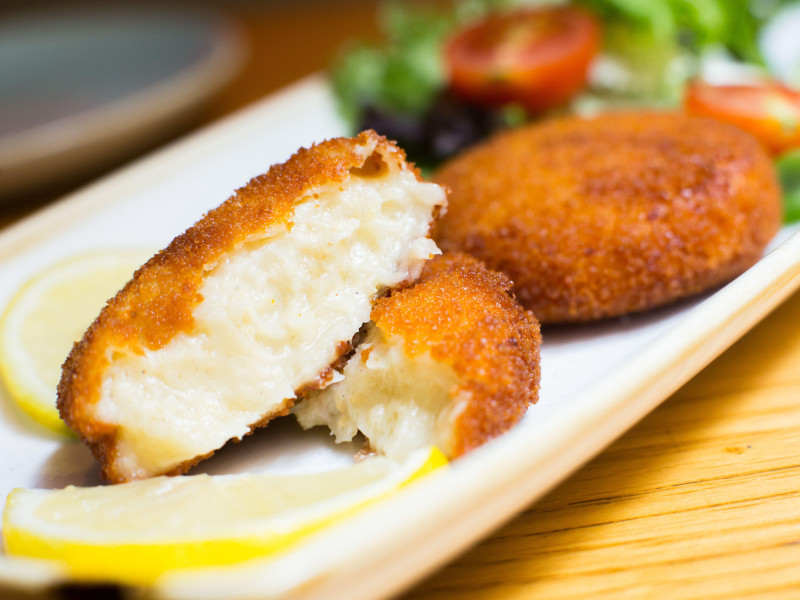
pixel 699 500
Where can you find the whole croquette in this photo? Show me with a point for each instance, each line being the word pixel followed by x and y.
pixel 594 218
pixel 452 361
pixel 249 308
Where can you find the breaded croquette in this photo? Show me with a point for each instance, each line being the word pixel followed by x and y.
pixel 594 218
pixel 452 361
pixel 249 308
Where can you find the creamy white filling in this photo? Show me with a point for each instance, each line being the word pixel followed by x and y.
pixel 273 314
pixel 400 403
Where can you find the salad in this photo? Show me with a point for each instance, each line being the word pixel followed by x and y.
pixel 446 77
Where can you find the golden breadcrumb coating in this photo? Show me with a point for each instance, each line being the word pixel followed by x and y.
pixel 158 303
pixel 594 218
pixel 465 317
pixel 451 361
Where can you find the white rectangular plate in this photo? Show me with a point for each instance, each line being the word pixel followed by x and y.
pixel 597 380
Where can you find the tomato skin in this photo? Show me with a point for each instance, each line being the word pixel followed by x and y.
pixel 538 58
pixel 770 112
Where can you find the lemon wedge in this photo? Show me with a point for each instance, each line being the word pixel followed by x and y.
pixel 46 316
pixel 133 532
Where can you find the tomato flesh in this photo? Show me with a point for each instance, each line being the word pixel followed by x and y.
pixel 538 58
pixel 770 112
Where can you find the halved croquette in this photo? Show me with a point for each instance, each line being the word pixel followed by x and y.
pixel 221 331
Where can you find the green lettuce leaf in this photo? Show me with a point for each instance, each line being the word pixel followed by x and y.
pixel 788 166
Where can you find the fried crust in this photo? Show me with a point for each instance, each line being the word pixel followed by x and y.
pixel 622 213
pixel 465 316
pixel 160 299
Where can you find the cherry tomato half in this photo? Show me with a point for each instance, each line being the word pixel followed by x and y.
pixel 538 57
pixel 770 112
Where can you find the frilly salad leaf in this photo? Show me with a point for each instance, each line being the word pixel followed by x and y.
pixel 652 49
pixel 789 173
pixel 694 23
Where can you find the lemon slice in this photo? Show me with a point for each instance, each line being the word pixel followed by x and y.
pixel 46 316
pixel 133 532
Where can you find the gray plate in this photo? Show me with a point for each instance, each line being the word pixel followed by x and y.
pixel 81 88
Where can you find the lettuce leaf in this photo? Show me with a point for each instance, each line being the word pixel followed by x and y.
pixel 788 167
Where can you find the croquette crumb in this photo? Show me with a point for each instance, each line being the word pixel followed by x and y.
pixel 621 213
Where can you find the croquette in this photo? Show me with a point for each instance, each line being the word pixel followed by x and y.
pixel 249 308
pixel 452 361
pixel 595 218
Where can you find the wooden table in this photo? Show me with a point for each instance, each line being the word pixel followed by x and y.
pixel 699 500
